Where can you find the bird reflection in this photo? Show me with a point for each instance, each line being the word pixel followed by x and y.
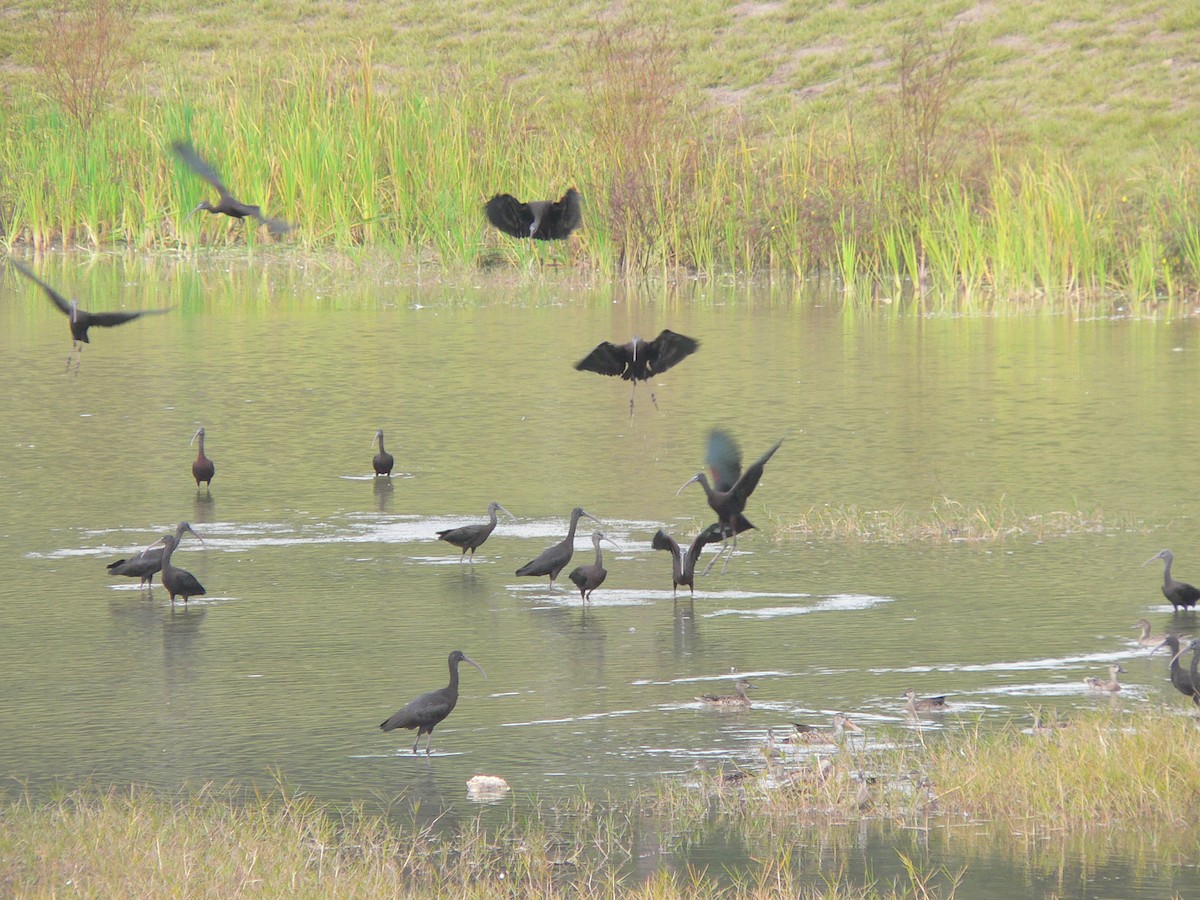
pixel 383 493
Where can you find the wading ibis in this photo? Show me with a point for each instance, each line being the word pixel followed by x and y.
pixel 178 582
pixel 554 560
pixel 588 578
pixel 683 565
pixel 1180 593
pixel 427 711
pixel 471 537
pixel 383 461
pixel 203 468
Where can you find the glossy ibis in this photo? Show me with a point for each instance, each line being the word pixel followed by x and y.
pixel 143 565
pixel 382 461
pixel 81 319
pixel 639 360
pixel 731 487
pixel 147 562
pixel 227 204
pixel 1180 593
pixel 1193 676
pixel 203 468
pixel 1181 680
pixel 810 734
pixel 917 704
pixel 738 699
pixel 178 582
pixel 427 711
pixel 683 565
pixel 588 578
pixel 1146 639
pixel 471 537
pixel 555 559
pixel 542 220
pixel 1111 686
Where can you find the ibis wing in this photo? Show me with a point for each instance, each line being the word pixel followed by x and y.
pixel 669 349
pixel 509 214
pixel 607 359
pixel 563 217
pixel 109 319
pixel 193 161
pixel 663 541
pixel 59 300
pixel 724 459
pixel 749 481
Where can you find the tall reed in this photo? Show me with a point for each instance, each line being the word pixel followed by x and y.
pixel 315 142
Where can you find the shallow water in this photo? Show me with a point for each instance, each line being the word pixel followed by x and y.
pixel 330 602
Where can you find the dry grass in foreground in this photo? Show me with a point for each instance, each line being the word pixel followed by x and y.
pixel 1118 777
pixel 944 520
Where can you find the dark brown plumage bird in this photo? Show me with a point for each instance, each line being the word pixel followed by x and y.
pixel 178 582
pixel 203 468
pixel 1182 681
pixel 731 487
pixel 639 360
pixel 683 565
pixel 1193 674
pixel 81 319
pixel 427 711
pixel 542 220
pixel 383 461
pixel 1180 593
pixel 142 565
pixel 471 537
pixel 554 559
pixel 588 578
pixel 226 204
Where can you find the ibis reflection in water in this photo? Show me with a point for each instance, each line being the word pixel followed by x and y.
pixel 427 711
pixel 471 537
pixel 730 487
pixel 1180 593
pixel 588 578
pixel 81 319
pixel 554 559
pixel 179 582
pixel 383 461
pixel 541 220
pixel 203 468
pixel 683 565
pixel 227 204
pixel 639 360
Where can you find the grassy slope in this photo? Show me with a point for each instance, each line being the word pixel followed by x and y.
pixel 1114 87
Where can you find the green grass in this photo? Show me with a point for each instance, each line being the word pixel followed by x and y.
pixel 1106 781
pixel 1040 152
pixel 943 520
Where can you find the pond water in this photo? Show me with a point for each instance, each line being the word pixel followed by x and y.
pixel 331 603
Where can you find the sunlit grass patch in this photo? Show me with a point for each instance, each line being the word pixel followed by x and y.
pixel 943 520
